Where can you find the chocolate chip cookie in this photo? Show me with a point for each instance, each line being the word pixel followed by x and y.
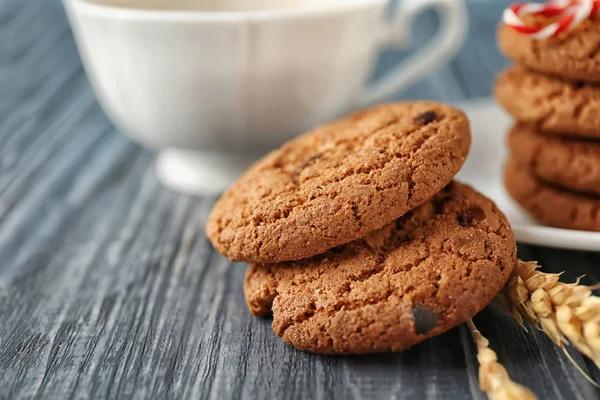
pixel 549 204
pixel 428 271
pixel 570 163
pixel 573 54
pixel 340 181
pixel 554 105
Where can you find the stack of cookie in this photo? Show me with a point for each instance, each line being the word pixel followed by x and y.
pixel 359 241
pixel 553 92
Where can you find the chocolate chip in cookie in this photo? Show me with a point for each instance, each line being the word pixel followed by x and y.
pixel 426 117
pixel 425 320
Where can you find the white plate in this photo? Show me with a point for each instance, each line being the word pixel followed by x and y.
pixel 483 170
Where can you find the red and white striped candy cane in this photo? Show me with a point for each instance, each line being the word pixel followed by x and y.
pixel 572 12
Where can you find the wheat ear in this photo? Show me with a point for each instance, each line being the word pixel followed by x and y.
pixel 493 378
pixel 566 312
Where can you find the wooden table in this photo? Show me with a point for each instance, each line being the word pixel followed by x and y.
pixel 109 288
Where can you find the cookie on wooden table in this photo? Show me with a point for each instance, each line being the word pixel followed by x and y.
pixel 415 278
pixel 340 181
pixel 554 105
pixel 572 54
pixel 551 205
pixel 570 163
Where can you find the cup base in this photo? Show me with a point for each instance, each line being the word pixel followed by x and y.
pixel 200 173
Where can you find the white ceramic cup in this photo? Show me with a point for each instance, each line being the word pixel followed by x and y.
pixel 213 89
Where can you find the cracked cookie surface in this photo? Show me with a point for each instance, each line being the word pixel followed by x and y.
pixel 569 163
pixel 415 278
pixel 573 54
pixel 554 105
pixel 551 205
pixel 340 181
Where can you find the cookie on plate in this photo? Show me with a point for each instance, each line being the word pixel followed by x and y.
pixel 551 205
pixel 340 181
pixel 573 54
pixel 554 105
pixel 570 163
pixel 415 278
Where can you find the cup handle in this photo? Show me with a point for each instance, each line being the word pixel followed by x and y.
pixel 443 46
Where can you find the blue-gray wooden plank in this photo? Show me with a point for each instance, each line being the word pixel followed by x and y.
pixel 109 288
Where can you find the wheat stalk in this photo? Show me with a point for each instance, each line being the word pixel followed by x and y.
pixel 566 312
pixel 493 378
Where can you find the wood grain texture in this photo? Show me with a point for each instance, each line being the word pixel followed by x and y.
pixel 109 288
